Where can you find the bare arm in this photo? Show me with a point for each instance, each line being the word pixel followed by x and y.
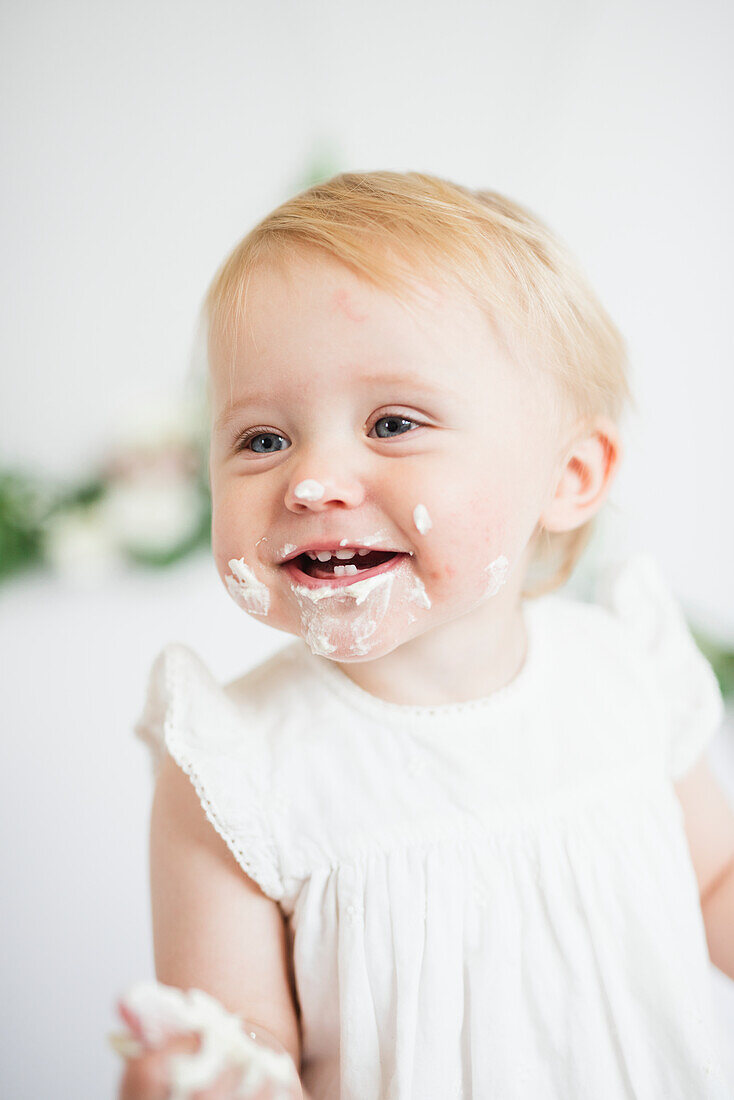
pixel 213 927
pixel 709 824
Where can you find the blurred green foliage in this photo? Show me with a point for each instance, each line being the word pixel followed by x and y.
pixel 721 659
pixel 24 504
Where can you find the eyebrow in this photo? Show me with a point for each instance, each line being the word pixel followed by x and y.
pixel 410 381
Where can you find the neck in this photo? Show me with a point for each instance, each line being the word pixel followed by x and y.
pixel 466 658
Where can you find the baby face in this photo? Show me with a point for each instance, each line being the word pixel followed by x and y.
pixel 375 473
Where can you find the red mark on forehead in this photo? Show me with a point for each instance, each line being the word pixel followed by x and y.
pixel 341 301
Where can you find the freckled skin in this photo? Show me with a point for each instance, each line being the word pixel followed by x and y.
pixel 479 459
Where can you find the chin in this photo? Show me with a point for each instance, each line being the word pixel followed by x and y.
pixel 347 650
pixel 358 658
pixel 350 654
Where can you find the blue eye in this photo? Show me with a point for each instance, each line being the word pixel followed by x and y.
pixel 394 425
pixel 265 437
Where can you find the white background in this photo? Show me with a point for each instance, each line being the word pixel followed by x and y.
pixel 140 141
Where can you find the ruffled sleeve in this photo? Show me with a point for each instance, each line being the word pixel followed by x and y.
pixel 224 751
pixel 690 698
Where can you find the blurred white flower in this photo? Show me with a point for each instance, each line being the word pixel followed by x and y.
pixel 79 545
pixel 151 502
pixel 152 510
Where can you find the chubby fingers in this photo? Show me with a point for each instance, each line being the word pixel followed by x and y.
pixel 147 1076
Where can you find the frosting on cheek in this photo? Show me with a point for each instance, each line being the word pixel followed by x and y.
pixel 418 594
pixel 421 519
pixel 496 573
pixel 245 589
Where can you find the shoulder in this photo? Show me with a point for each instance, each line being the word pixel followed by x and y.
pixel 224 740
pixel 281 683
pixel 586 643
pixel 177 662
pixel 637 622
pixel 184 699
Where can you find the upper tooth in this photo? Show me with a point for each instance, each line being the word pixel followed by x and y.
pixel 363 552
pixel 342 555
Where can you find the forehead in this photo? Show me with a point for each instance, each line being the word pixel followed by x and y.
pixel 311 287
pixel 313 313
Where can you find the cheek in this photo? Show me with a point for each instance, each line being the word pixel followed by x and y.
pixel 219 548
pixel 475 532
pixel 464 546
pixel 238 520
pixel 227 541
pixel 233 540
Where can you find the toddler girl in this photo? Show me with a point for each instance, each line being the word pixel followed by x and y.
pixel 458 839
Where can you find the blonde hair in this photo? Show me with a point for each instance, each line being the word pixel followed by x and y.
pixel 392 227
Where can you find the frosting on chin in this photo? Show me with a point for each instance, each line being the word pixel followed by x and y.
pixel 343 621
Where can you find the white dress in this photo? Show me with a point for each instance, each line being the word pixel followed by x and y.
pixel 492 899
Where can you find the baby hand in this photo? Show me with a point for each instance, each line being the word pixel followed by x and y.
pixel 147 1076
pixel 186 1046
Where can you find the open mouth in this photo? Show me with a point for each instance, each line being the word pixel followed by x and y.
pixel 340 567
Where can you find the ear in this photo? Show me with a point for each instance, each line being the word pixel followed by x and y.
pixel 587 472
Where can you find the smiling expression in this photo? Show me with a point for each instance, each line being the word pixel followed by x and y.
pixel 342 422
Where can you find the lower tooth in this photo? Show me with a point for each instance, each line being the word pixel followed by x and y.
pixel 345 570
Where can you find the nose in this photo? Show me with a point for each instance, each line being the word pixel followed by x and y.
pixel 318 489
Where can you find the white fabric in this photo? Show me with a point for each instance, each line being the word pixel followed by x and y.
pixel 492 899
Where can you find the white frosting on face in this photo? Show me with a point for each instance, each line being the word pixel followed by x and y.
pixel 497 575
pixel 309 490
pixel 164 1011
pixel 245 589
pixel 421 518
pixel 342 621
pixel 330 624
pixel 357 591
pixel 370 540
pixel 286 550
pixel 418 593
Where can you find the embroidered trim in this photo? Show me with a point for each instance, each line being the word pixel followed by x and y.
pixel 260 862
